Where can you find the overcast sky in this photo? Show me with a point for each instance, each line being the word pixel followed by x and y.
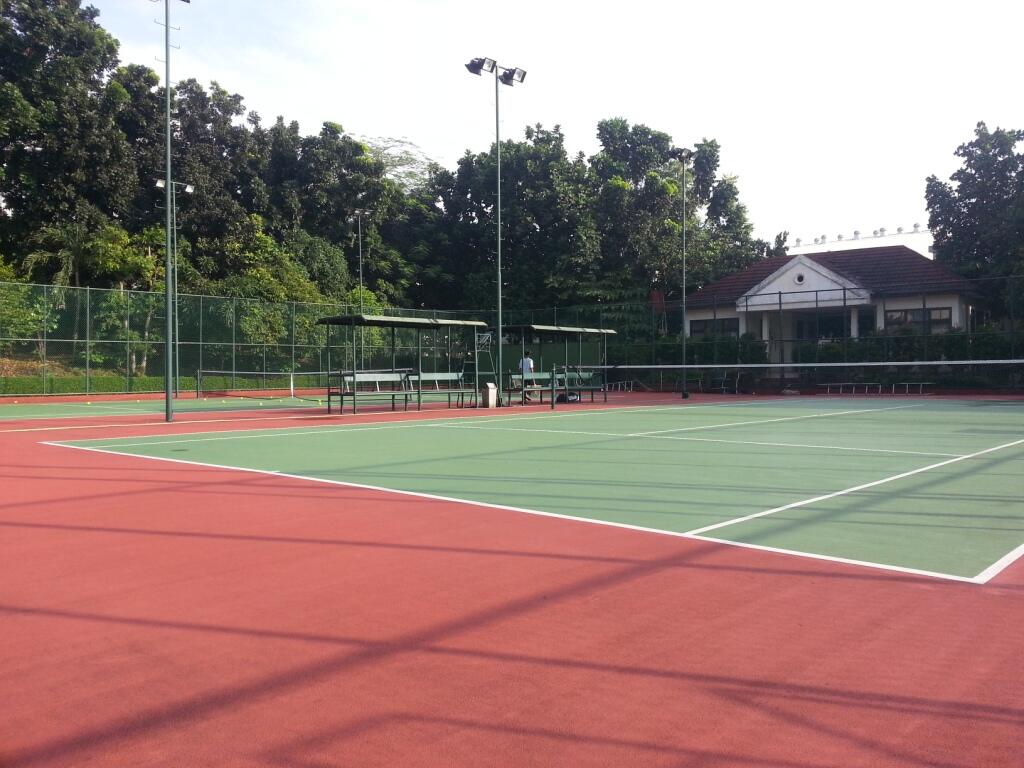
pixel 831 115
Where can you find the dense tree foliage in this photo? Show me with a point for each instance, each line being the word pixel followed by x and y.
pixel 978 219
pixel 270 214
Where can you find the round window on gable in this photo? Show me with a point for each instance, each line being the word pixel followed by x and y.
pixel 799 279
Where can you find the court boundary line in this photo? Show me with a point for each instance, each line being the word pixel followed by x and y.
pixel 448 421
pixel 657 432
pixel 986 574
pixel 695 439
pixel 539 513
pixel 667 402
pixel 395 424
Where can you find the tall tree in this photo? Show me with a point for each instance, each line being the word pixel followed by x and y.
pixel 978 219
pixel 60 146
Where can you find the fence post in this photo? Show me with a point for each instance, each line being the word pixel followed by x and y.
pixel 200 337
pixel 293 337
pixel 926 325
pixel 46 322
pixel 88 332
pixel 234 312
pixel 128 342
pixel 1012 295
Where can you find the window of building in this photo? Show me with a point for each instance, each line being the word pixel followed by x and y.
pixel 726 326
pixel 933 319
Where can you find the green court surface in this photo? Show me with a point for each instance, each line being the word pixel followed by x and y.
pixel 26 408
pixel 923 485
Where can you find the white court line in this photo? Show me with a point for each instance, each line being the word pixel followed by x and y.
pixel 536 512
pixel 697 439
pixel 248 434
pixel 863 486
pixel 68 427
pixel 1000 565
pixel 769 421
pixel 836 559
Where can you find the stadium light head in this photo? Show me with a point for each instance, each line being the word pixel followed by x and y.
pixel 480 64
pixel 189 189
pixel 160 184
pixel 512 76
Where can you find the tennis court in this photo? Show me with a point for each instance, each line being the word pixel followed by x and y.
pixel 933 486
pixel 721 581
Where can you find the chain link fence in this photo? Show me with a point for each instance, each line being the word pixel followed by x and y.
pixel 63 340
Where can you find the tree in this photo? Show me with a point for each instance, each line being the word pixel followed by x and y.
pixel 60 147
pixel 978 219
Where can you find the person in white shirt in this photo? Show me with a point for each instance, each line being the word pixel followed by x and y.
pixel 526 368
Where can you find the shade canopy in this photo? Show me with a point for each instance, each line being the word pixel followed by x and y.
pixel 558 330
pixel 386 321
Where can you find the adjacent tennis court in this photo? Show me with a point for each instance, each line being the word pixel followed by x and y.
pixel 720 581
pixel 928 486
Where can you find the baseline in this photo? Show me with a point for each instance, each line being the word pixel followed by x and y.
pixel 536 512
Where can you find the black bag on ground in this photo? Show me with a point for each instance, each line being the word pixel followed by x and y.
pixel 572 397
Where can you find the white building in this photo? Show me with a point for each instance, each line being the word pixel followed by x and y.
pixel 831 295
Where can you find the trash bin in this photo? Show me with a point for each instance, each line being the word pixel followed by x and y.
pixel 489 396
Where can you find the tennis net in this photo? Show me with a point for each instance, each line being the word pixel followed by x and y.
pixel 946 377
pixel 262 385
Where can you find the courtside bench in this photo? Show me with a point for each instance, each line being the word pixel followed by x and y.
pixel 368 386
pixel 726 381
pixel 450 384
pixel 579 382
pixel 907 385
pixel 535 382
pixel 841 386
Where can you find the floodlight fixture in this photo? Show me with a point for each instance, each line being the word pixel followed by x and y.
pixel 481 64
pixel 512 76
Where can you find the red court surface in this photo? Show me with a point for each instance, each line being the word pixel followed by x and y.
pixel 156 614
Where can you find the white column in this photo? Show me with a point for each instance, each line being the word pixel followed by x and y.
pixel 743 323
pixel 765 327
pixel 854 322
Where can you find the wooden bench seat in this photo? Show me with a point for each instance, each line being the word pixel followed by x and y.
pixel 370 386
pixel 450 384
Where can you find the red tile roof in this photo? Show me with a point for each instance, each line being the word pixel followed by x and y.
pixel 893 270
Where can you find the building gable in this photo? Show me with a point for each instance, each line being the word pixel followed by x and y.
pixel 801 283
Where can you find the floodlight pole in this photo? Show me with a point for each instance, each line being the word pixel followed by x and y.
pixel 684 156
pixel 169 290
pixel 497 149
pixel 169 193
pixel 174 252
pixel 359 213
pixel 508 75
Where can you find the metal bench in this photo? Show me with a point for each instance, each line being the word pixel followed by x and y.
pixel 371 386
pixel 450 384
pixel 580 382
pixel 908 384
pixel 534 382
pixel 725 381
pixel 842 385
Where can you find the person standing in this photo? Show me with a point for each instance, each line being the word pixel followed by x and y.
pixel 526 368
